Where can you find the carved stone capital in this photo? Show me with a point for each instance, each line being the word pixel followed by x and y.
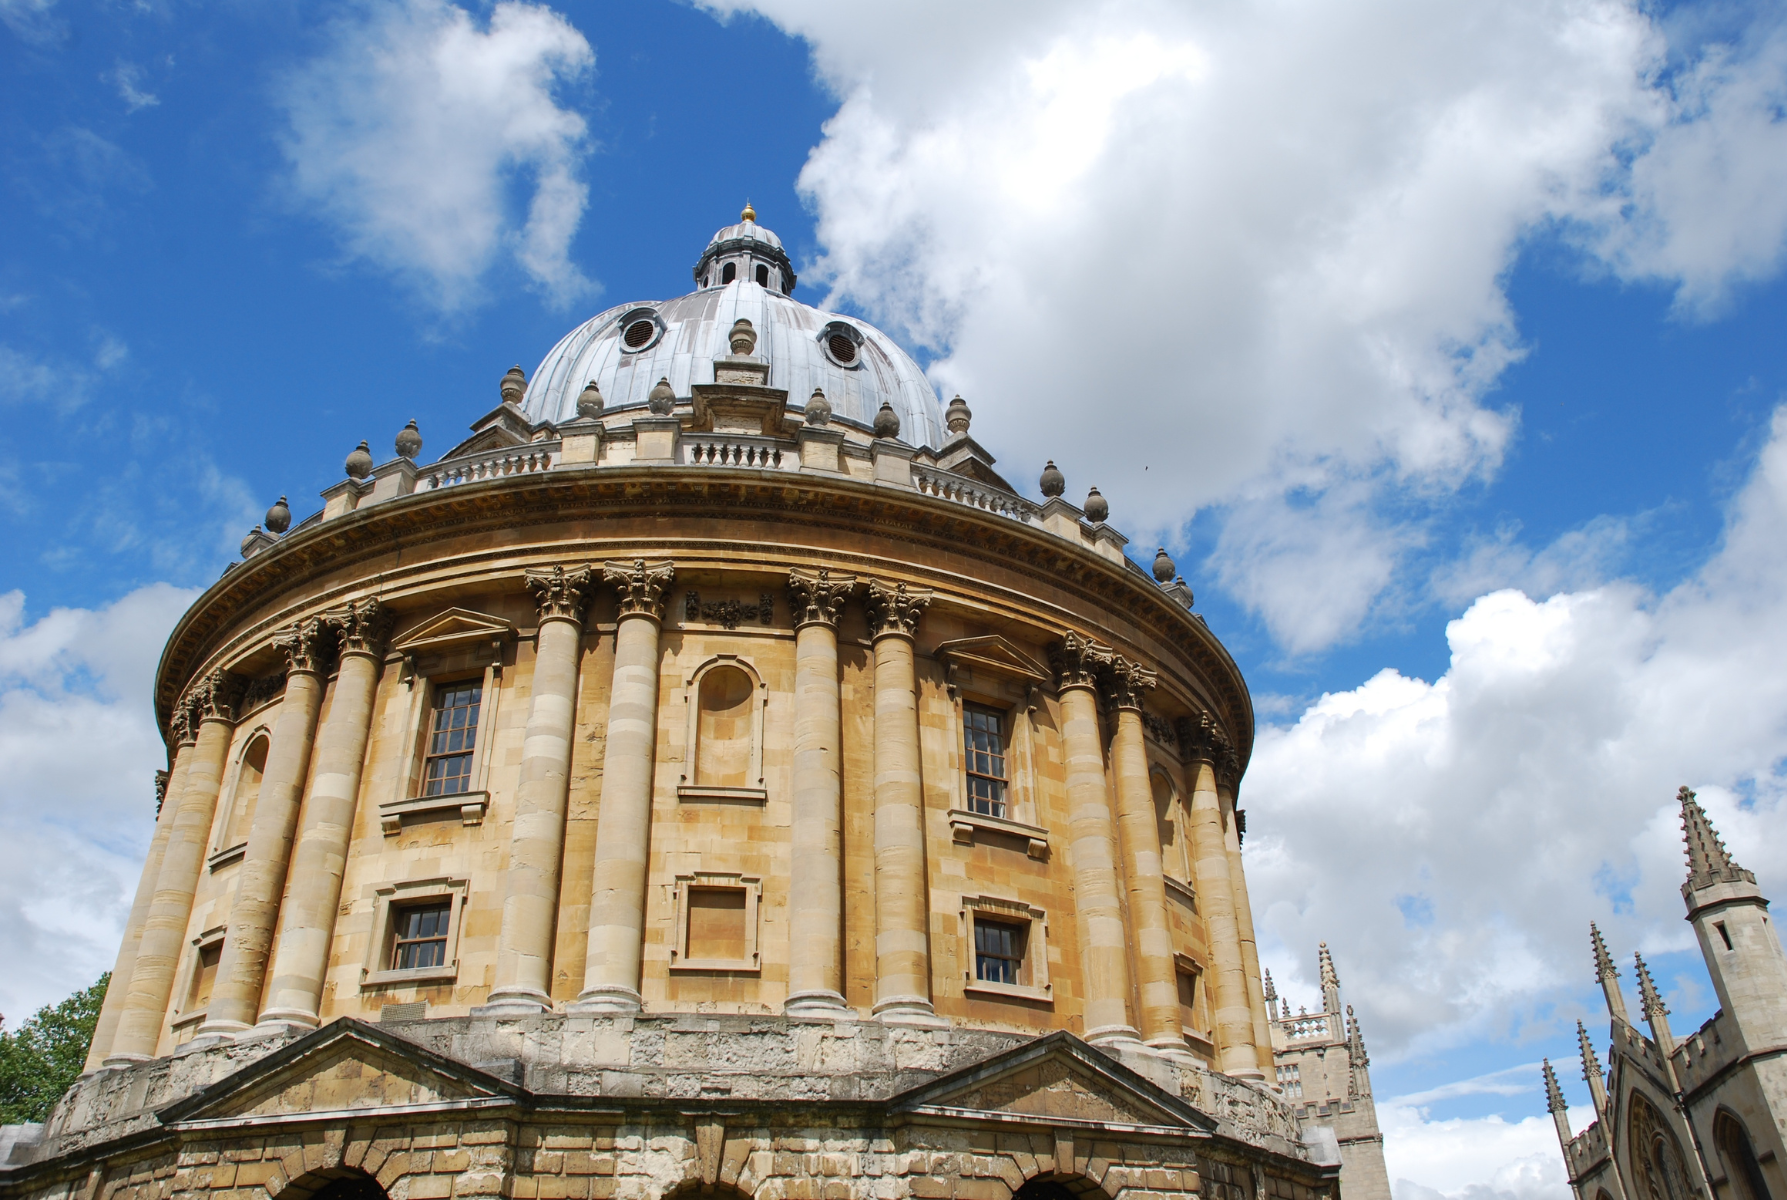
pixel 560 593
pixel 360 627
pixel 640 586
pixel 817 597
pixel 1079 661
pixel 161 790
pixel 894 610
pixel 307 645
pixel 1127 682
pixel 214 697
pixel 181 727
pixel 1202 738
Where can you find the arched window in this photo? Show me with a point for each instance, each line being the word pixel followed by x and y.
pixel 1175 856
pixel 1656 1154
pixel 1740 1157
pixel 725 754
pixel 249 770
pixel 762 275
pixel 728 273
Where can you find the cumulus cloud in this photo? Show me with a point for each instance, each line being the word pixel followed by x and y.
pixel 1260 249
pixel 1471 1158
pixel 435 147
pixel 81 750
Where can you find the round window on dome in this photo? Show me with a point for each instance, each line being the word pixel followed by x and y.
pixel 842 342
pixel 639 329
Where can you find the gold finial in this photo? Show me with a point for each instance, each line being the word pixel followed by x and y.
pixel 750 214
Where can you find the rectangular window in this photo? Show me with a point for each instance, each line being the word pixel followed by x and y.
pixel 1188 999
pixel 204 976
pixel 717 924
pixel 420 936
pixel 1291 1080
pixel 453 733
pixel 983 737
pixel 999 950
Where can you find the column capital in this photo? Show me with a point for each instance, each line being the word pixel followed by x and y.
pixel 561 594
pixel 640 585
pixel 213 698
pixel 306 645
pixel 895 609
pixel 1203 739
pixel 1125 683
pixel 817 597
pixel 161 790
pixel 181 725
pixel 361 626
pixel 1079 662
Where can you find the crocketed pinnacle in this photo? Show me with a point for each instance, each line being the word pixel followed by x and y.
pixel 1554 1095
pixel 1356 1039
pixel 1271 991
pixel 1329 978
pixel 1648 999
pixel 1591 1066
pixel 1604 968
pixel 1708 861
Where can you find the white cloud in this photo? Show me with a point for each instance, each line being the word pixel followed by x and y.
pixel 81 750
pixel 31 21
pixel 128 79
pixel 1475 1158
pixel 1260 249
pixel 417 134
pixel 1451 839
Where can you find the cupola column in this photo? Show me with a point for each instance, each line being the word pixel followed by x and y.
pixel 1250 952
pixel 623 820
pixel 1233 1019
pixel 537 840
pixel 301 959
pixel 1156 974
pixel 902 894
pixel 816 904
pixel 171 784
pixel 1104 944
pixel 211 705
pixel 248 943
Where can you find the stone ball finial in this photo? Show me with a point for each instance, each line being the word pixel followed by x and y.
pixel 279 517
pixel 409 441
pixel 1097 507
pixel 818 409
pixel 1053 482
pixel 514 385
pixel 662 398
pixel 958 415
pixel 1163 566
pixel 589 401
pixel 887 422
pixel 743 338
pixel 252 541
pixel 359 462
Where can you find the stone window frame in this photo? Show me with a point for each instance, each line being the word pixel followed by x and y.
pixel 223 855
pixel 686 788
pixel 990 672
pixel 184 1020
pixel 1182 889
pixel 1185 964
pixel 388 900
pixel 1036 949
pixel 433 659
pixel 752 887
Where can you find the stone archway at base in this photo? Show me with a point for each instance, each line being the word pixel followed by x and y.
pixel 334 1183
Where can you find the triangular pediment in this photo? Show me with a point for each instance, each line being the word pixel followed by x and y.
pixel 993 653
pixel 453 627
pixel 344 1066
pixel 1055 1080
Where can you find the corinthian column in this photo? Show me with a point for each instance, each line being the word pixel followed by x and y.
pixel 902 894
pixel 167 783
pixel 816 903
pixel 301 959
pixel 1216 901
pixel 1104 948
pixel 1156 974
pixel 623 820
pixel 537 843
pixel 1250 953
pixel 242 969
pixel 211 705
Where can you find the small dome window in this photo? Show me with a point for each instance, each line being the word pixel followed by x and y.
pixel 762 275
pixel 728 273
pixel 842 342
pixel 640 329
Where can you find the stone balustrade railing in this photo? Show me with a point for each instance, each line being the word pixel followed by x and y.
pixel 947 485
pixel 738 450
pixel 469 468
pixel 1317 1026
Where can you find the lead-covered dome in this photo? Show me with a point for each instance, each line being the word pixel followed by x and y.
pixel 628 348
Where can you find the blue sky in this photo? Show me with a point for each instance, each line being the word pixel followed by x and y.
pixel 1440 344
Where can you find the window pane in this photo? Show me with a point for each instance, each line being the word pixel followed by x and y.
pixel 983 744
pixel 998 951
pixel 421 936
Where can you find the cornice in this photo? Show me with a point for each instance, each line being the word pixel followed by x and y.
pixel 708 494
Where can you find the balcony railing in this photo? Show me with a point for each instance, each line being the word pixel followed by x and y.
pixel 947 485
pixel 492 464
pixel 733 450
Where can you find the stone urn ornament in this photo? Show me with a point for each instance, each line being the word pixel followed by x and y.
pixel 279 517
pixel 743 338
pixel 887 422
pixel 409 441
pixel 359 462
pixel 818 409
pixel 662 399
pixel 589 401
pixel 1053 482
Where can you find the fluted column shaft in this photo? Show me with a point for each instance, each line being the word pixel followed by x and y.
pixel 902 894
pixel 537 841
pixel 301 958
pixel 816 902
pixel 1216 901
pixel 164 929
pixel 248 943
pixel 623 821
pixel 1156 975
pixel 1250 952
pixel 112 1007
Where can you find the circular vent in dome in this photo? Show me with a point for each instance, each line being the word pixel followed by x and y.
pixel 842 348
pixel 842 342
pixel 639 333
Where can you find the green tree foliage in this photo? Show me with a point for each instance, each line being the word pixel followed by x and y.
pixel 40 1061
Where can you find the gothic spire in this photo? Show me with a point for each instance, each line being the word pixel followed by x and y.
pixel 1607 975
pixel 1648 999
pixel 1591 1072
pixel 1656 1014
pixel 1708 860
pixel 1358 1081
pixel 1271 991
pixel 1330 982
pixel 1554 1095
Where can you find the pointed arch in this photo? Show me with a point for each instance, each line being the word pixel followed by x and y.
pixel 1738 1155
pixel 1655 1154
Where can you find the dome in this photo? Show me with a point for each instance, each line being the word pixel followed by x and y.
pixel 628 348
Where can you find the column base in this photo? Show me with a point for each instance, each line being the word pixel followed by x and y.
pixel 821 1004
pixel 909 1010
pixel 1126 1036
pixel 1174 1049
pixel 514 1002
pixel 281 1022
pixel 218 1030
pixel 608 999
pixel 115 1062
pixel 199 1041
